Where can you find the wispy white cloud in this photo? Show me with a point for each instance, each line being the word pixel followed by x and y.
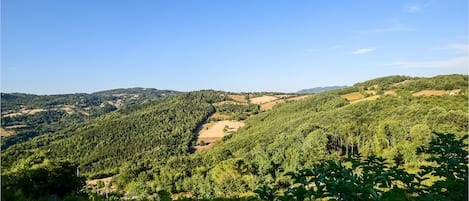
pixel 393 28
pixel 455 48
pixel 457 62
pixel 458 47
pixel 363 50
pixel 416 7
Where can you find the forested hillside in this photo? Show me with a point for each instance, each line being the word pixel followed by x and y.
pixel 25 116
pixel 148 148
pixel 319 89
pixel 325 126
pixel 153 130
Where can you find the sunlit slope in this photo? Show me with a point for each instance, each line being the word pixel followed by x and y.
pixel 328 126
pixel 156 130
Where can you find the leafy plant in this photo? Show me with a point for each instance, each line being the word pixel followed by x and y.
pixel 450 160
pixel 372 178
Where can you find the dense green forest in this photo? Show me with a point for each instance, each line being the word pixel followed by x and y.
pixel 153 130
pixel 351 178
pixel 148 148
pixel 14 101
pixel 325 126
pixel 28 116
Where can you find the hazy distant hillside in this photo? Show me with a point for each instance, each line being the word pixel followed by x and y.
pixel 138 92
pixel 319 89
pixel 15 101
pixel 157 129
pixel 27 115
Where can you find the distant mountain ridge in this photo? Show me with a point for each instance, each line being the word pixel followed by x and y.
pixel 25 116
pixel 319 89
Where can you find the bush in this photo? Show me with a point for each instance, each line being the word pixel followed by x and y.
pixel 372 178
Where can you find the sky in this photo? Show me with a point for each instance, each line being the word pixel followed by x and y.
pixel 57 46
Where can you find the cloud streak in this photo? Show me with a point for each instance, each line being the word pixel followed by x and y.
pixel 363 51
pixel 417 7
pixel 394 28
pixel 455 48
pixel 458 47
pixel 457 62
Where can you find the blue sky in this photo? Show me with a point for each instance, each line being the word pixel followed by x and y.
pixel 56 46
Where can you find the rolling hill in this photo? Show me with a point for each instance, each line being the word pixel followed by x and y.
pixel 149 147
pixel 319 89
pixel 25 116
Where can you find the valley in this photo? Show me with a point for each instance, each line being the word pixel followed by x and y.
pixel 209 144
pixel 116 100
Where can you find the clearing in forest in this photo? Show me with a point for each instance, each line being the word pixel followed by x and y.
pixel 365 99
pixel 390 92
pixel 239 98
pixel 270 105
pixel 229 102
pixel 353 96
pixel 5 133
pixel 106 181
pixel 215 129
pixel 263 99
pixel 16 126
pixel 400 83
pixel 285 96
pixel 68 109
pixel 211 132
pixel 436 92
pixel 24 111
pixel 93 182
pixel 298 98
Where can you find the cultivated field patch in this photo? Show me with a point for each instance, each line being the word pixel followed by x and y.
pixel 68 109
pixel 366 99
pixel 298 98
pixel 436 92
pixel 118 103
pixel 93 182
pixel 208 143
pixel 215 129
pixel 5 133
pixel 238 98
pixel 106 181
pixel 284 96
pixel 401 83
pixel 270 105
pixel 24 112
pixel 229 102
pixel 262 99
pixel 353 96
pixel 211 132
pixel 390 92
pixel 15 126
